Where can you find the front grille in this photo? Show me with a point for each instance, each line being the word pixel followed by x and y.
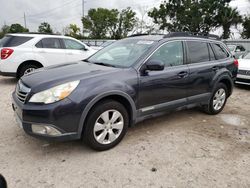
pixel 22 91
pixel 244 72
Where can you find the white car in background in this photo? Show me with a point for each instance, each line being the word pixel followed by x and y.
pixel 243 76
pixel 237 50
pixel 23 53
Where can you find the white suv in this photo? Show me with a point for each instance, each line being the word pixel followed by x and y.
pixel 23 53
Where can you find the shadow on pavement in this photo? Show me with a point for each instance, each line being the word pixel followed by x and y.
pixel 8 81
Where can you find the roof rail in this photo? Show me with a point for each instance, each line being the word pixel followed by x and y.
pixel 190 34
pixel 36 33
pixel 144 34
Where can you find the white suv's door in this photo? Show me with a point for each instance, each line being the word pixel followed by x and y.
pixel 51 51
pixel 76 51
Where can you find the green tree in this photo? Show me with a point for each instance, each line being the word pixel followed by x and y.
pixel 246 28
pixel 45 28
pixel 4 30
pixel 227 18
pixel 73 30
pixel 98 21
pixel 188 15
pixel 123 24
pixel 17 28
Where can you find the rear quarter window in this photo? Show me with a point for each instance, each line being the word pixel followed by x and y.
pixel 13 41
pixel 220 51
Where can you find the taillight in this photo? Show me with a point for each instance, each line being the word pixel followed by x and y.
pixel 6 52
pixel 236 63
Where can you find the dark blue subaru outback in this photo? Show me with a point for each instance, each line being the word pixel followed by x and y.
pixel 133 79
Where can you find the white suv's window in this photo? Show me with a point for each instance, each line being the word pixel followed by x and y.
pixel 73 45
pixel 12 41
pixel 49 43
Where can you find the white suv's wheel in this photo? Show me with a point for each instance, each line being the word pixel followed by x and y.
pixel 27 69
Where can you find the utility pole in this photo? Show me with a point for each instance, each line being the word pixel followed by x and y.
pixel 83 14
pixel 83 7
pixel 25 23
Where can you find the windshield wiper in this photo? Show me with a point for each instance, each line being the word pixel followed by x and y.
pixel 104 64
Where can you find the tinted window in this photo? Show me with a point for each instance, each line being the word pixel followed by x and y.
pixel 220 52
pixel 211 53
pixel 171 54
pixel 71 44
pixel 198 51
pixel 12 41
pixel 49 43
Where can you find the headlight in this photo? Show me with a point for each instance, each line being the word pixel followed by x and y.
pixel 54 94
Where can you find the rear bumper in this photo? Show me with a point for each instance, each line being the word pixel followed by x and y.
pixel 10 74
pixel 243 79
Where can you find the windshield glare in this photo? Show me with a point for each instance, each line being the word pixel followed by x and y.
pixel 122 53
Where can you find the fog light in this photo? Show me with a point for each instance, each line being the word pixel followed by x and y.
pixel 45 130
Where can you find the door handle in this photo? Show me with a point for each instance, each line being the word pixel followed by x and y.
pixel 215 68
pixel 183 74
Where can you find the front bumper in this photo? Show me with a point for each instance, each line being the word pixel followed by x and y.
pixel 60 115
pixel 243 79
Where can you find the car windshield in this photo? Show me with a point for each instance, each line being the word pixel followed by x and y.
pixel 247 56
pixel 231 47
pixel 123 53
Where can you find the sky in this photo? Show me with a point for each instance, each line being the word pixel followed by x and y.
pixel 60 13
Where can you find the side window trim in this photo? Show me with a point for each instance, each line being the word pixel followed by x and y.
pixel 210 48
pixel 63 46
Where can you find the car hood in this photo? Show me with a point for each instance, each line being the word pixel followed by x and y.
pixel 244 64
pixel 56 75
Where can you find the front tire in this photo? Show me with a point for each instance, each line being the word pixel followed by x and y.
pixel 106 125
pixel 218 100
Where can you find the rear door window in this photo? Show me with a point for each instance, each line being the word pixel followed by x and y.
pixel 53 43
pixel 220 51
pixel 13 41
pixel 198 51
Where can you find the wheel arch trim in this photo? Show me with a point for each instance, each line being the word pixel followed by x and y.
pixel 99 98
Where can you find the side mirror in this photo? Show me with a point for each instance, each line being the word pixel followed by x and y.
pixel 155 65
pixel 237 50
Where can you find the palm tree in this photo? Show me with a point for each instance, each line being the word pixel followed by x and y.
pixel 228 17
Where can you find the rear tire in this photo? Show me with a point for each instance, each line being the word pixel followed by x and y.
pixel 218 100
pixel 106 125
pixel 27 69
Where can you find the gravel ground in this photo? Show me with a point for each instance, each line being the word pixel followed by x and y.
pixel 182 149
